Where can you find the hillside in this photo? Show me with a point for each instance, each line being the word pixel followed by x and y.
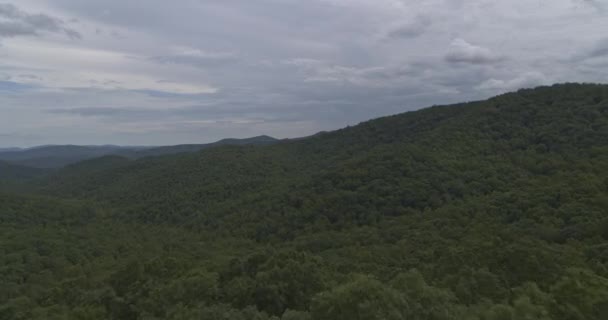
pixel 60 156
pixel 188 148
pixel 423 159
pixel 486 210
pixel 9 171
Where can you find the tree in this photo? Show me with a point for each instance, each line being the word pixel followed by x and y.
pixel 362 298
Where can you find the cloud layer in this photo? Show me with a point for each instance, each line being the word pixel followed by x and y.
pixel 16 22
pixel 157 72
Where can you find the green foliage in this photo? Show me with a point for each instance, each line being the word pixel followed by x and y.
pixel 9 171
pixel 360 298
pixel 581 294
pixel 497 208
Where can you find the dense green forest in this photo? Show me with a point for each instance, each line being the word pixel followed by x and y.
pixel 489 210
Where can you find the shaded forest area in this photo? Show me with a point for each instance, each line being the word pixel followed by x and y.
pixel 490 210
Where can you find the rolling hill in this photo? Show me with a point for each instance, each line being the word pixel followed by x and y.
pixel 188 148
pixel 486 210
pixel 58 156
pixel 9 171
pixel 422 159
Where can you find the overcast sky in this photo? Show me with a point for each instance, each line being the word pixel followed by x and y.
pixel 154 72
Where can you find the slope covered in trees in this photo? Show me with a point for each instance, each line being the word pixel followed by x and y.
pixel 186 148
pixel 14 172
pixel 59 156
pixel 486 210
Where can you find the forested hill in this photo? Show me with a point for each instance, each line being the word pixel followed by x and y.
pixel 413 161
pixel 186 148
pixel 487 210
pixel 59 156
pixel 13 172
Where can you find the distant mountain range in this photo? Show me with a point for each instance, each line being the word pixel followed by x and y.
pixel 58 156
pixel 186 148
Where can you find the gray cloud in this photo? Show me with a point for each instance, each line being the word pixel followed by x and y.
pixel 462 51
pixel 14 87
pixel 12 138
pixel 198 58
pixel 12 29
pixel 204 70
pixel 600 49
pixel 530 79
pixel 411 29
pixel 18 23
pixel 95 111
pixel 595 4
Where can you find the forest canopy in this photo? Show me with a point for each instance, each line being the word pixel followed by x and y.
pixel 486 210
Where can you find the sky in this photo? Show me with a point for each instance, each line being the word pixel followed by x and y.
pixel 157 72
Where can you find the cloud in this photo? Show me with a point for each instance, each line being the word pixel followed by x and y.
pixel 318 71
pixel 590 57
pixel 600 49
pixel 19 23
pixel 197 58
pixel 13 136
pixel 93 111
pixel 205 70
pixel 594 4
pixel 463 52
pixel 526 80
pixel 61 66
pixel 14 87
pixel 415 28
pixel 12 29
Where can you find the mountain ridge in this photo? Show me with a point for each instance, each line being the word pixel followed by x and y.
pixel 486 210
pixel 433 131
pixel 57 156
pixel 10 171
